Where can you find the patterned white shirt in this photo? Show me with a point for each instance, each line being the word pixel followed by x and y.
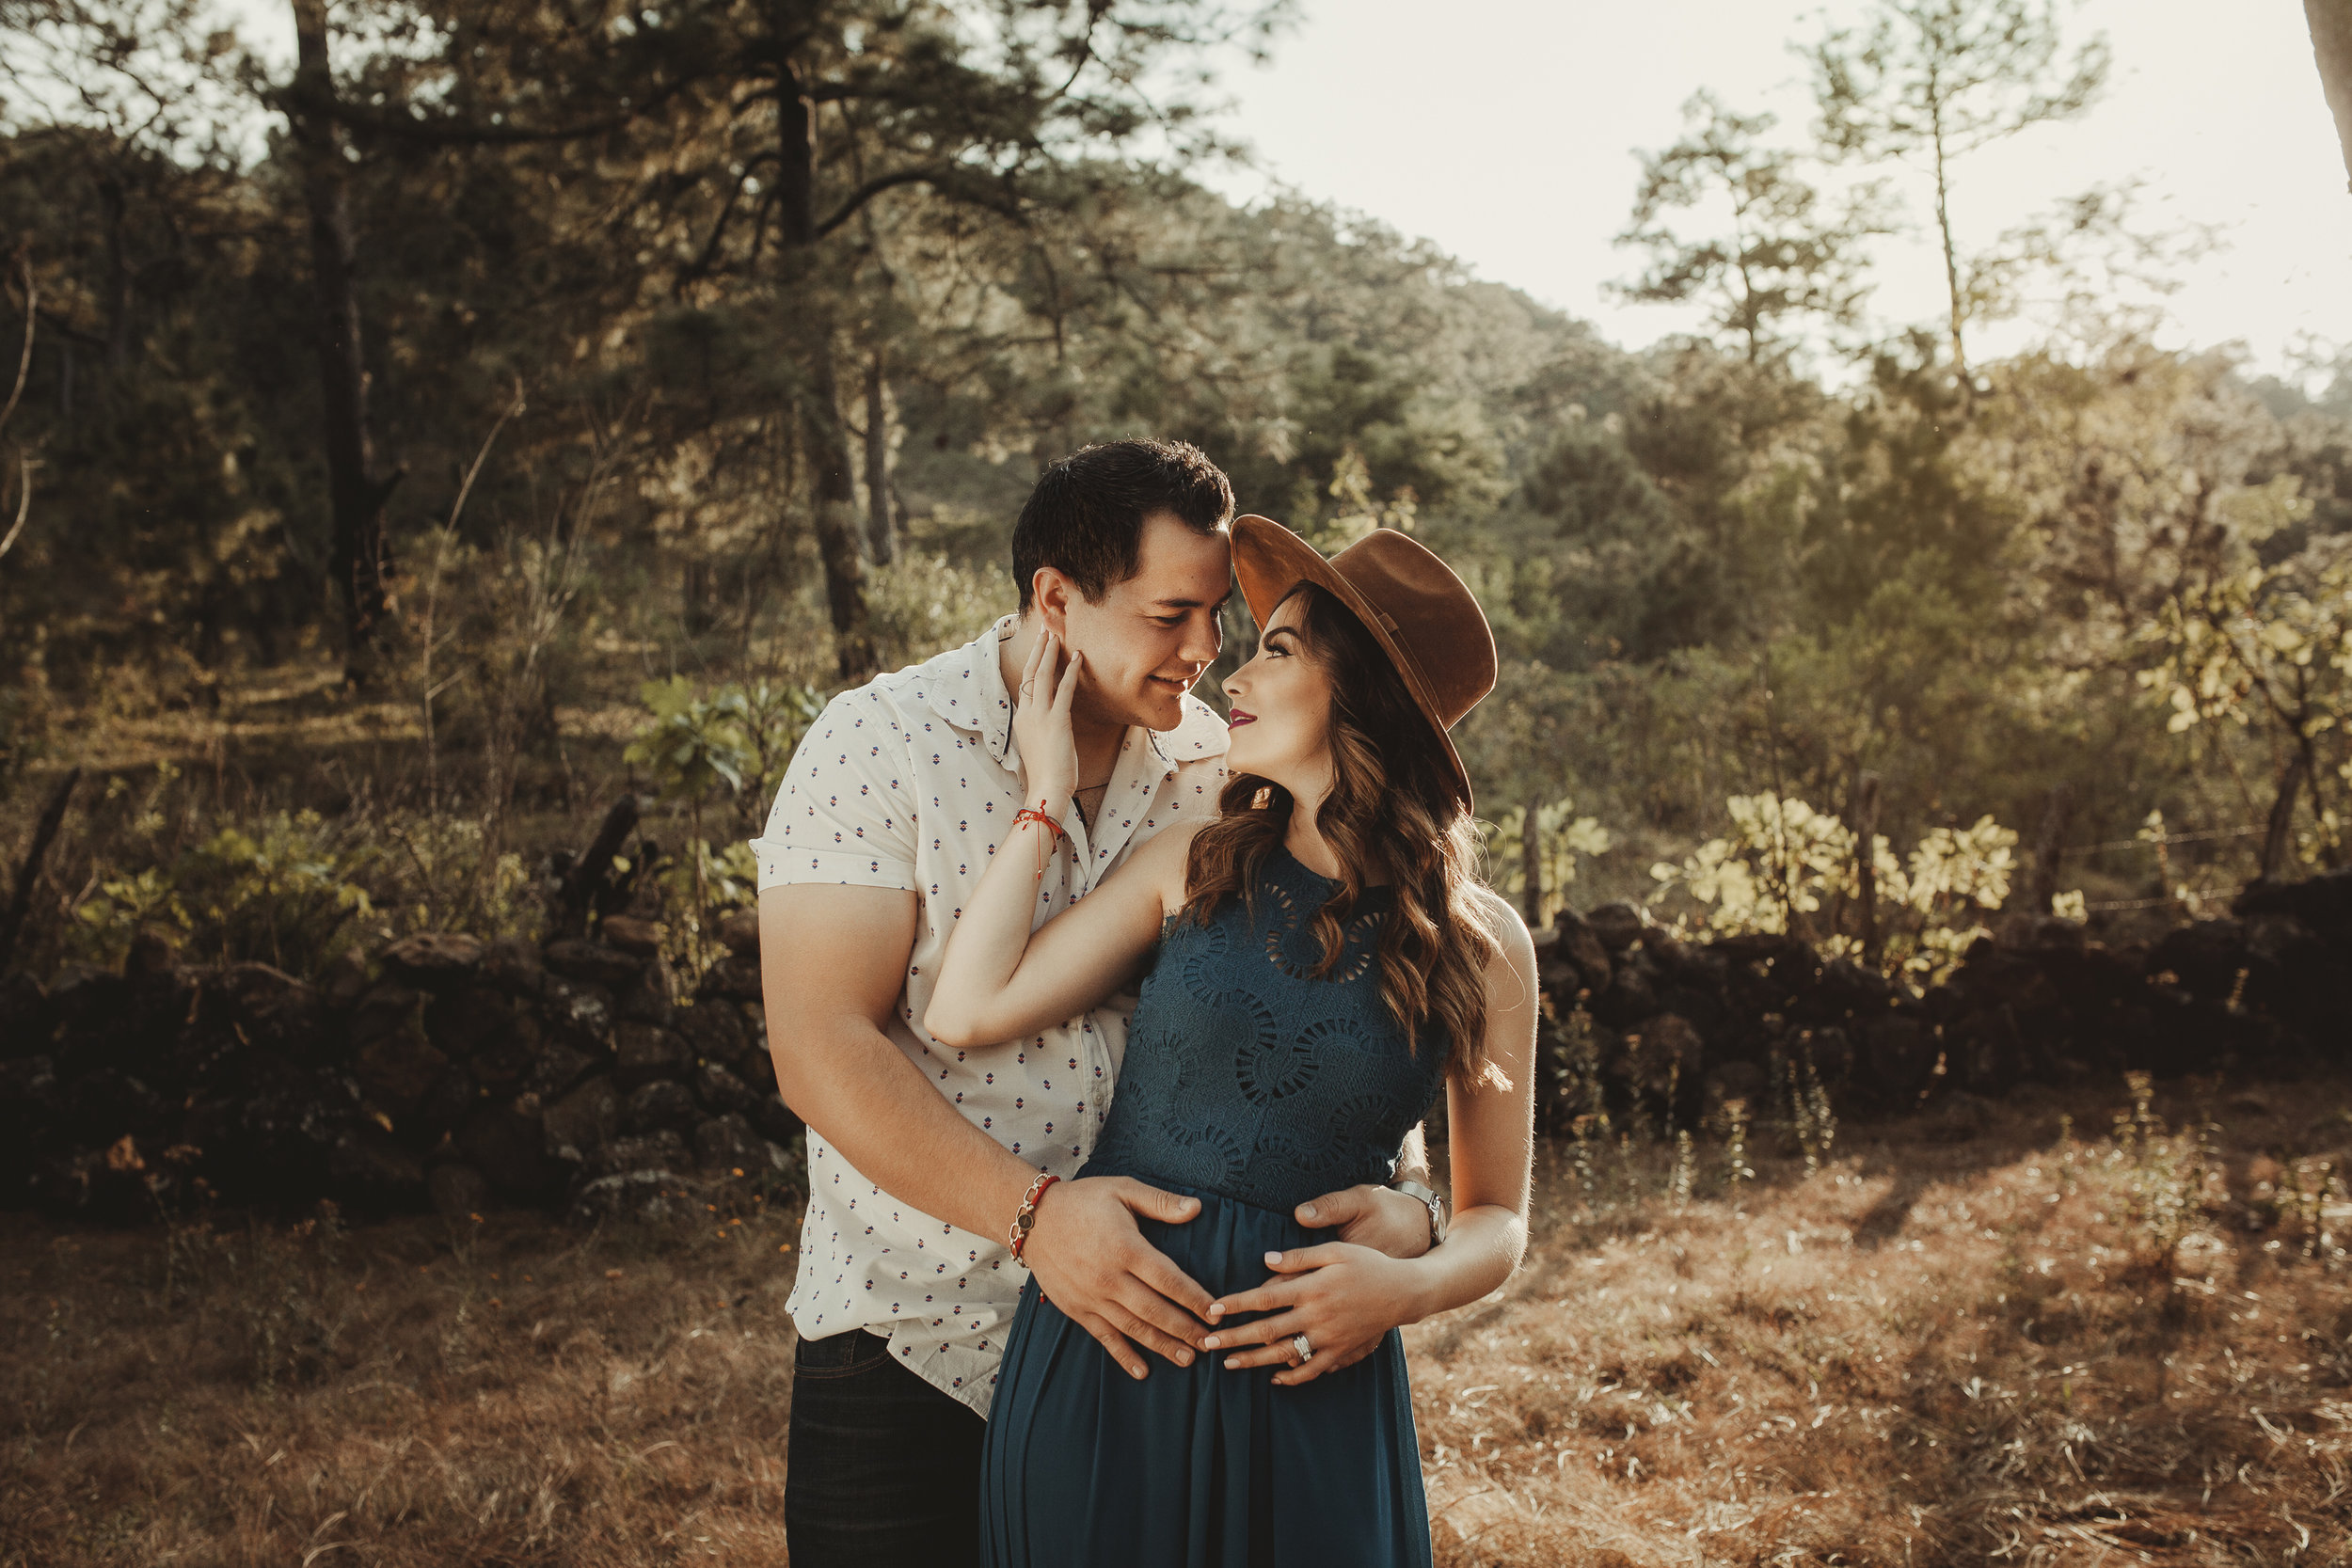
pixel 910 780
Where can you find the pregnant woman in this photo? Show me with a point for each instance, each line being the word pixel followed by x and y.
pixel 1322 958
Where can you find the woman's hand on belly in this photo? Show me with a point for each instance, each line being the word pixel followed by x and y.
pixel 1342 1297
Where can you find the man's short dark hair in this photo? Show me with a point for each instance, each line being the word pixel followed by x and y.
pixel 1084 518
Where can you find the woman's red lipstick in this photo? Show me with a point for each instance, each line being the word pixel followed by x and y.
pixel 1237 718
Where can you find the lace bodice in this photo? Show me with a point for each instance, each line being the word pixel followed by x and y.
pixel 1247 1076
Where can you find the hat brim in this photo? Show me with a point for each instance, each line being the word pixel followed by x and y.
pixel 1270 560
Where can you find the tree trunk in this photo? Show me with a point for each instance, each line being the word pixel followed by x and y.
pixel 1531 866
pixel 1865 870
pixel 2282 827
pixel 882 537
pixel 824 432
pixel 359 558
pixel 2331 46
pixel 2047 851
pixel 1951 263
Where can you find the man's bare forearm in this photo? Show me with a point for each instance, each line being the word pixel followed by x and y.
pixel 855 1088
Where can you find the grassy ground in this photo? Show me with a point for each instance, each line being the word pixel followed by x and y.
pixel 1965 1338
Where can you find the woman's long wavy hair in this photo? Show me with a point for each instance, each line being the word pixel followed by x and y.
pixel 1393 804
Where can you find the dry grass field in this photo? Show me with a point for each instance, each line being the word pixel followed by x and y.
pixel 2012 1334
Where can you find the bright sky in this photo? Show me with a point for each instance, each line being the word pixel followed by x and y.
pixel 1504 130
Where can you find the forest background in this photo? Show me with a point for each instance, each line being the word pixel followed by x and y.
pixel 504 407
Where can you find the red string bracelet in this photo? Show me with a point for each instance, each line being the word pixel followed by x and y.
pixel 1030 814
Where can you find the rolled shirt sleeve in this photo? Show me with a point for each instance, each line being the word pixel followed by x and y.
pixel 845 812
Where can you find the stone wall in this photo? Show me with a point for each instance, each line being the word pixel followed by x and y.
pixel 464 1074
pixel 2268 990
pixel 448 1070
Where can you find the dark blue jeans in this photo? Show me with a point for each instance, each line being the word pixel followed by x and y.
pixel 884 1469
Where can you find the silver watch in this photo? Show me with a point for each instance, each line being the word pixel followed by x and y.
pixel 1429 1201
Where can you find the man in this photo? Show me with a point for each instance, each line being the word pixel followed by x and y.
pixel 920 1154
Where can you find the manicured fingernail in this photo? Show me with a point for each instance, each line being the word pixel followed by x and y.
pixel 1307 1211
pixel 1273 1257
pixel 1136 1372
pixel 1233 1364
pixel 1213 1342
pixel 1184 1358
pixel 1216 1310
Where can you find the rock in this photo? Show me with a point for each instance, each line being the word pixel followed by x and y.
pixel 653 1196
pixel 664 1151
pixel 502 1068
pixel 1633 993
pixel 649 1000
pixel 594 962
pixel 580 1015
pixel 726 1146
pixel 471 1019
pixel 714 1029
pixel 555 1070
pixel 738 930
pixel 446 1104
pixel 1618 926
pixel 2322 902
pixel 577 1128
pixel 286 1129
pixel 758 1070
pixel 1582 946
pixel 515 966
pixel 392 1058
pixel 2026 932
pixel 1895 1053
pixel 2205 958
pixel 775 1119
pixel 664 1102
pixel 267 1006
pixel 460 1194
pixel 735 978
pixel 345 978
pixel 101 1106
pixel 643 1052
pixel 507 1147
pixel 435 960
pixel 372 1170
pixel 638 937
pixel 721 1091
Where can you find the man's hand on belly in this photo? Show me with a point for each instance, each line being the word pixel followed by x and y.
pixel 1381 1218
pixel 1095 1266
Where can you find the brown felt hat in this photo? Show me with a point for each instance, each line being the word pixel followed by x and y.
pixel 1412 603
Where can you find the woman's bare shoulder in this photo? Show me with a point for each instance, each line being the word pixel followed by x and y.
pixel 1512 942
pixel 1164 856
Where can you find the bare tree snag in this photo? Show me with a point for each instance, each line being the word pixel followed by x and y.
pixel 45 834
pixel 2331 46
pixel 591 873
pixel 358 557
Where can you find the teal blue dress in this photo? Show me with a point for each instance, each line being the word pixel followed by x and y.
pixel 1253 1086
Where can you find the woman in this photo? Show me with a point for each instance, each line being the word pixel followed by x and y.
pixel 1322 957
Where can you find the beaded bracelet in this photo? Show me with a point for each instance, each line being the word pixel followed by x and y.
pixel 1024 1218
